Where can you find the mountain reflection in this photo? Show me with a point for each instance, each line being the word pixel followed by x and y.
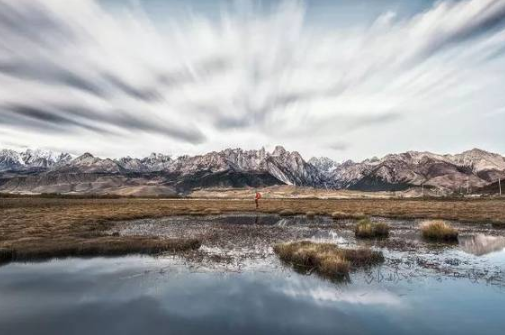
pixel 481 244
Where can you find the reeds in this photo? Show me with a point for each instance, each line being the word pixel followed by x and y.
pixel 5 255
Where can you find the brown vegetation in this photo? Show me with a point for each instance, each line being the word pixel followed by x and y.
pixel 343 216
pixel 368 229
pixel 34 220
pixel 286 212
pixel 326 259
pixel 438 230
pixel 29 249
pixel 211 211
pixel 310 214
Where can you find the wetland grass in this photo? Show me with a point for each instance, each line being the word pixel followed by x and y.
pixel 438 230
pixel 212 211
pixel 5 255
pixel 286 212
pixel 310 214
pixel 368 229
pixel 328 260
pixel 347 216
pixel 102 246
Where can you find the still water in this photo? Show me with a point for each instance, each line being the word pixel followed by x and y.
pixel 143 295
pixel 171 295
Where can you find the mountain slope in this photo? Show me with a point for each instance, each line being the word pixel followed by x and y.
pixel 36 171
pixel 470 169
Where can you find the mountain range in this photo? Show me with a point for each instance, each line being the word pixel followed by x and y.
pixel 38 171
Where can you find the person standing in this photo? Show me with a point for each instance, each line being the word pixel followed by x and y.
pixel 257 198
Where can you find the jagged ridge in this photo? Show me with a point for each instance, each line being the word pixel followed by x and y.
pixel 37 171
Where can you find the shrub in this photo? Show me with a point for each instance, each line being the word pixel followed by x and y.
pixel 325 258
pixel 368 229
pixel 439 230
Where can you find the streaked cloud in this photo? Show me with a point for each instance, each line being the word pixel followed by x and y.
pixel 76 74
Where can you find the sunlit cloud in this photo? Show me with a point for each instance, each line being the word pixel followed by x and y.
pixel 76 76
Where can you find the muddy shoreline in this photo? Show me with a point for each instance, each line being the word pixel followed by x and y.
pixel 238 241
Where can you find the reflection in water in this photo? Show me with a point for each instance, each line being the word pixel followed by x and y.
pixel 481 244
pixel 142 295
pixel 416 291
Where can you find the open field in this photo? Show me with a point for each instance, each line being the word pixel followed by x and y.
pixel 46 224
pixel 303 192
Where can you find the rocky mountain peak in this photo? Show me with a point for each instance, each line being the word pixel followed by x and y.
pixel 474 168
pixel 279 151
pixel 323 164
pixel 85 155
pixel 31 159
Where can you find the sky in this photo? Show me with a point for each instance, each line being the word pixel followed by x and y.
pixel 346 79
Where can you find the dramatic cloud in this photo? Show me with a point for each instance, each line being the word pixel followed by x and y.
pixel 78 76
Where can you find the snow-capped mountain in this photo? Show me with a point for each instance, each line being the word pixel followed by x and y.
pixel 471 169
pixel 61 172
pixel 326 166
pixel 11 160
pixel 87 163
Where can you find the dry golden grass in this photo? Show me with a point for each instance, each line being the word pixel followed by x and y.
pixel 211 211
pixel 326 259
pixel 38 249
pixel 439 230
pixel 310 214
pixel 368 229
pixel 286 212
pixel 83 219
pixel 342 215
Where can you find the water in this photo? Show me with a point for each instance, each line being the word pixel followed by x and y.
pixel 442 290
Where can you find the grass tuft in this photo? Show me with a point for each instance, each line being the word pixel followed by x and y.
pixel 439 230
pixel 327 259
pixel 286 212
pixel 368 229
pixel 344 216
pixel 310 214
pixel 212 211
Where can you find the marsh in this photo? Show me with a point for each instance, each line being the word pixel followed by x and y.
pixel 235 283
